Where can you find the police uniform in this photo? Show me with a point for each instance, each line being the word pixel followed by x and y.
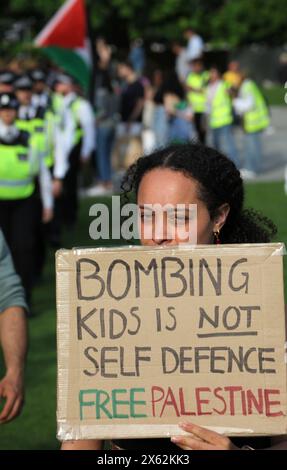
pixel 38 120
pixel 40 99
pixel 75 138
pixel 21 163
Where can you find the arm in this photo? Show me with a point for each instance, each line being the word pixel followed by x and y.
pixel 93 444
pixel 278 443
pixel 13 335
pixel 60 155
pixel 203 439
pixel 87 121
pixel 13 338
pixel 45 181
pixel 243 104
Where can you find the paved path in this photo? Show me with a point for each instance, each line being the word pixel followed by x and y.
pixel 274 145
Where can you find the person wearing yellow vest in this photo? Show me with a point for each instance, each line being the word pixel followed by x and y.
pixel 219 108
pixel 196 84
pixel 21 163
pixel 35 119
pixel 75 143
pixel 232 76
pixel 251 105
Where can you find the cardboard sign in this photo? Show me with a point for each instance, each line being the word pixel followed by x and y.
pixel 149 337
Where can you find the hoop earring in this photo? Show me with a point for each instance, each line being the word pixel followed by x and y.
pixel 216 236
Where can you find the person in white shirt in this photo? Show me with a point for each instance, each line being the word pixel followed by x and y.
pixel 75 141
pixel 195 44
pixel 182 67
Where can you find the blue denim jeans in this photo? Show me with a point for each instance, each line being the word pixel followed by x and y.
pixel 180 130
pixel 223 140
pixel 253 152
pixel 105 140
pixel 160 126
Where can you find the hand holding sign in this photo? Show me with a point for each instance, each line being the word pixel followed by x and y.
pixel 202 439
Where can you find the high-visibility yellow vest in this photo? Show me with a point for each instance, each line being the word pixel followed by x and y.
pixel 257 119
pixel 221 108
pixel 56 102
pixel 50 121
pixel 19 164
pixel 74 106
pixel 197 99
pixel 40 126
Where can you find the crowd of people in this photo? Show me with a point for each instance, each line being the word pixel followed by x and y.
pixel 154 106
pixel 50 133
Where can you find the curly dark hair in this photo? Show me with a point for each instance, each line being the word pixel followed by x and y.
pixel 219 182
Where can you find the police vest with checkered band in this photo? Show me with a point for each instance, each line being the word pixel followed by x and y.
pixel 19 165
pixel 41 125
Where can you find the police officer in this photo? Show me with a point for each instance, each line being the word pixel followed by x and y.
pixel 41 94
pixel 35 118
pixel 251 105
pixel 21 163
pixel 6 81
pixel 74 144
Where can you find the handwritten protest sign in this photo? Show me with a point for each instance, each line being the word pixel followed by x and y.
pixel 148 337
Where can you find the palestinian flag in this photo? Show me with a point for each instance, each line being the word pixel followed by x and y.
pixel 65 40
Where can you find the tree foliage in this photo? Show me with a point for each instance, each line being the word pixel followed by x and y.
pixel 236 22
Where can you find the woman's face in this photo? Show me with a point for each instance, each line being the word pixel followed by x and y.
pixel 163 186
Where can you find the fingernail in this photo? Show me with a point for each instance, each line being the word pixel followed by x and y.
pixel 175 439
pixel 183 425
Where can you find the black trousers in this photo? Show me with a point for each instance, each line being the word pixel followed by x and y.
pixel 69 200
pixel 200 126
pixel 66 205
pixel 18 221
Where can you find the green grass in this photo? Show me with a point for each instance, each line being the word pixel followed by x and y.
pixel 36 427
pixel 275 95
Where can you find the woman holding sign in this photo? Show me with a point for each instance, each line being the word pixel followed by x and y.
pixel 179 176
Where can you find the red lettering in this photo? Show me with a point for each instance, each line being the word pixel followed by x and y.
pixel 155 389
pixel 232 391
pixel 183 412
pixel 253 401
pixel 216 393
pixel 243 401
pixel 200 401
pixel 269 403
pixel 170 401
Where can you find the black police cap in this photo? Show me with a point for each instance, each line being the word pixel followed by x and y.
pixel 8 101
pixel 64 78
pixel 23 83
pixel 6 77
pixel 38 75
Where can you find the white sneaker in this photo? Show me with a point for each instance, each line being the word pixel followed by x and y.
pixel 247 174
pixel 98 190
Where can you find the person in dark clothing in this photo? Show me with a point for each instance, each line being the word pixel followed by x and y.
pixel 132 98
